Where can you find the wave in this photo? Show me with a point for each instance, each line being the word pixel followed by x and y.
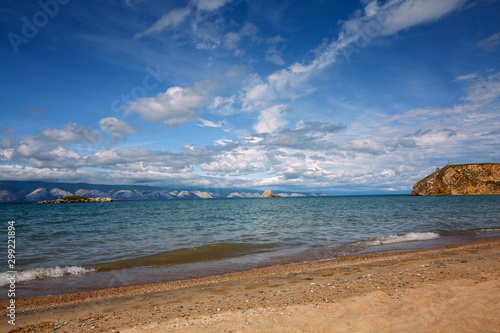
pixel 42 273
pixel 488 231
pixel 410 237
pixel 186 256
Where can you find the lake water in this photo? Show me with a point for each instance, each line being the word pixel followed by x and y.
pixel 77 247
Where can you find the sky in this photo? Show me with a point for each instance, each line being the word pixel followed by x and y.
pixel 342 97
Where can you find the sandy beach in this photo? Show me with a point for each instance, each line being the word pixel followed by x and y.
pixel 450 289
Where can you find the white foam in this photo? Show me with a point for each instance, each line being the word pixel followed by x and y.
pixel 43 273
pixel 410 237
pixel 488 231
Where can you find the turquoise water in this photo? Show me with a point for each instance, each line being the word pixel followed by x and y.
pixel 72 247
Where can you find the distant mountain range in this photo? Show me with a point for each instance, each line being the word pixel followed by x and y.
pixel 33 191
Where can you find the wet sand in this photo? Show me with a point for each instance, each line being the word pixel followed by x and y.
pixel 450 289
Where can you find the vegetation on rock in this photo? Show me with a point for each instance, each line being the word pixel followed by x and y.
pixel 76 198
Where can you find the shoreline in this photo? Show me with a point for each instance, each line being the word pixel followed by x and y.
pixel 325 282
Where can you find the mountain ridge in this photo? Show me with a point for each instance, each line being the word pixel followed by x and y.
pixel 34 191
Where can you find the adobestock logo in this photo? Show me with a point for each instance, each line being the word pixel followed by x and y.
pixel 30 28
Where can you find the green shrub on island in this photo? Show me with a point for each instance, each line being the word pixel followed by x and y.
pixel 76 198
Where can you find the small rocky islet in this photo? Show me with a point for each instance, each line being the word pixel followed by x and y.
pixel 75 199
pixel 269 194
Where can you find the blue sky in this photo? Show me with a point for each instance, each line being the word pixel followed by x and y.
pixel 333 96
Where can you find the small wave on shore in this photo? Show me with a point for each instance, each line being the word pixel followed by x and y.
pixel 42 273
pixel 190 255
pixel 409 237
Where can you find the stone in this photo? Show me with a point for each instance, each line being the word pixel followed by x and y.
pixel 269 194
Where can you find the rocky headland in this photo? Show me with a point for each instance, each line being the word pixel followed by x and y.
pixel 461 179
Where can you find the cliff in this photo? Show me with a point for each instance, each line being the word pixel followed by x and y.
pixel 461 179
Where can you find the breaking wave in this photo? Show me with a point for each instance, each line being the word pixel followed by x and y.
pixel 410 237
pixel 43 273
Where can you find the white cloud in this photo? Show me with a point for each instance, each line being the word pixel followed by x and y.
pixel 176 106
pixel 466 77
pixel 394 16
pixel 208 123
pixel 210 5
pixel 356 33
pixel 170 19
pixel 72 132
pixel 490 43
pixel 405 14
pixel 207 34
pixel 223 142
pixel 222 105
pixel 367 146
pixel 271 119
pixel 284 84
pixel 232 39
pixel 34 152
pixel 484 89
pixel 274 52
pixel 132 3
pixel 118 129
pixel 274 56
pixel 178 15
pixel 239 161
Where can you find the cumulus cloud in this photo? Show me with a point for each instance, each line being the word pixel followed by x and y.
pixel 309 136
pixel 315 154
pixel 367 146
pixel 176 106
pixel 34 152
pixel 118 129
pixel 239 161
pixel 271 119
pixel 72 133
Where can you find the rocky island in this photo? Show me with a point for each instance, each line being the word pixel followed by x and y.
pixel 461 179
pixel 75 198
pixel 269 194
